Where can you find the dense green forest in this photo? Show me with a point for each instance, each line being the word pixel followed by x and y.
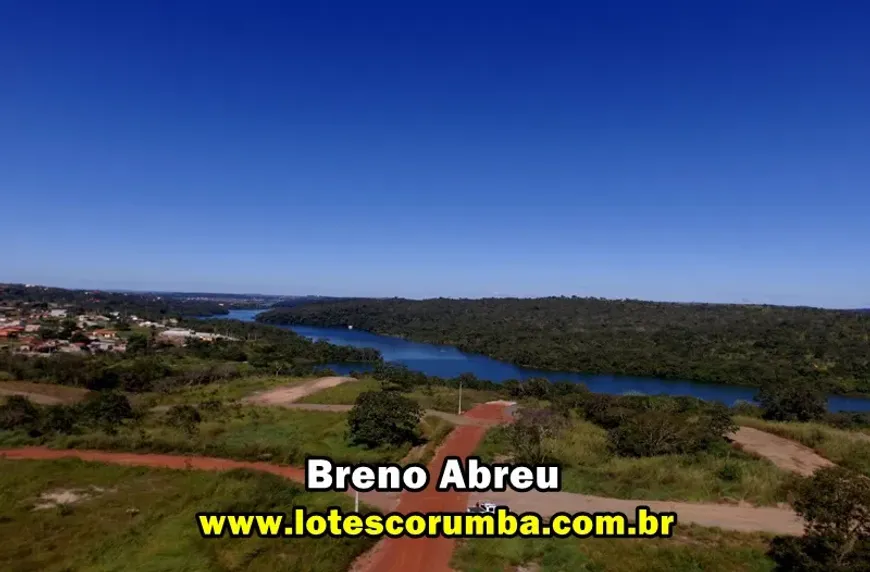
pixel 733 344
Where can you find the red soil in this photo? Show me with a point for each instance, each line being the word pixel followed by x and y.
pixel 433 554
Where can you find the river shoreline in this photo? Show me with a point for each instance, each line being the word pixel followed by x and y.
pixel 449 361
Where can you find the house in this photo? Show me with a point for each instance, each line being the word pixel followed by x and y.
pixel 10 331
pixel 59 313
pixel 105 334
pixel 32 328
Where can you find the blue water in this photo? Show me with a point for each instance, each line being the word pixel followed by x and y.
pixel 447 361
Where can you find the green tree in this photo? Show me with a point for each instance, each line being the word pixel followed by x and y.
pixel 107 410
pixel 791 402
pixel 19 413
pixel 384 418
pixel 835 506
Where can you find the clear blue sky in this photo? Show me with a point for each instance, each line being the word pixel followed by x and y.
pixel 707 151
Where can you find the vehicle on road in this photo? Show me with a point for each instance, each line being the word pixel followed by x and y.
pixel 483 508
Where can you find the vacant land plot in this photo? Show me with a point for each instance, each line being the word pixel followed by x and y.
pixel 293 393
pixel 438 398
pixel 691 549
pixel 590 467
pixel 228 390
pixel 344 394
pixel 44 393
pixel 231 431
pixel 71 515
pixel 850 449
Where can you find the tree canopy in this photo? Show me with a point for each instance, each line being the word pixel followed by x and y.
pixel 720 343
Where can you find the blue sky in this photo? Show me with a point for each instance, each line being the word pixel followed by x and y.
pixel 706 151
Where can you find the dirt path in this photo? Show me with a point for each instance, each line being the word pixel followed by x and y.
pixel 431 554
pixel 784 453
pixel 285 395
pixel 34 397
pixel 740 518
pixel 383 501
pixel 43 393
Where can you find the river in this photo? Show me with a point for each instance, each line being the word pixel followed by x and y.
pixel 447 361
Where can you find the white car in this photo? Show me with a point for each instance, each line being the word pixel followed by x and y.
pixel 483 507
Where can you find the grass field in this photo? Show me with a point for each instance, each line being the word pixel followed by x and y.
pixel 850 449
pixel 233 431
pixel 104 533
pixel 589 467
pixel 64 393
pixel 229 390
pixel 438 398
pixel 692 549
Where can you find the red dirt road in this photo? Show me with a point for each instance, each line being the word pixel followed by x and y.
pixel 383 501
pixel 432 554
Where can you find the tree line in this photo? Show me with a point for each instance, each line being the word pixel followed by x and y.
pixel 719 343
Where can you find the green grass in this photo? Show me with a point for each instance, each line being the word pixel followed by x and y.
pixel 344 394
pixel 65 393
pixel 98 534
pixel 434 430
pixel 692 549
pixel 850 449
pixel 229 390
pixel 446 399
pixel 589 467
pixel 439 398
pixel 241 432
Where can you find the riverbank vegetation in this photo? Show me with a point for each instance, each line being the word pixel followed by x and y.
pixel 730 344
pixel 692 548
pixel 71 515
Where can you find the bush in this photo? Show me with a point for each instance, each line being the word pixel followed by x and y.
pixel 654 433
pixel 530 433
pixel 791 402
pixel 107 410
pixel 384 418
pixel 835 505
pixel 19 413
pixel 59 419
pixel 185 417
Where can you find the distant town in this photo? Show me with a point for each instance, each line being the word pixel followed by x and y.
pixel 43 329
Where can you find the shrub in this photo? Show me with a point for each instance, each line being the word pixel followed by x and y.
pixel 185 417
pixel 59 419
pixel 654 433
pixel 835 505
pixel 107 409
pixel 19 413
pixel 529 435
pixel 384 418
pixel 791 402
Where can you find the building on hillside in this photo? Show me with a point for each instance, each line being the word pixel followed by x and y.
pixel 58 313
pixel 105 334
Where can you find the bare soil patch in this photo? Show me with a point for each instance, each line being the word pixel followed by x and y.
pixel 63 497
pixel 775 520
pixel 784 453
pixel 286 395
pixel 43 393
